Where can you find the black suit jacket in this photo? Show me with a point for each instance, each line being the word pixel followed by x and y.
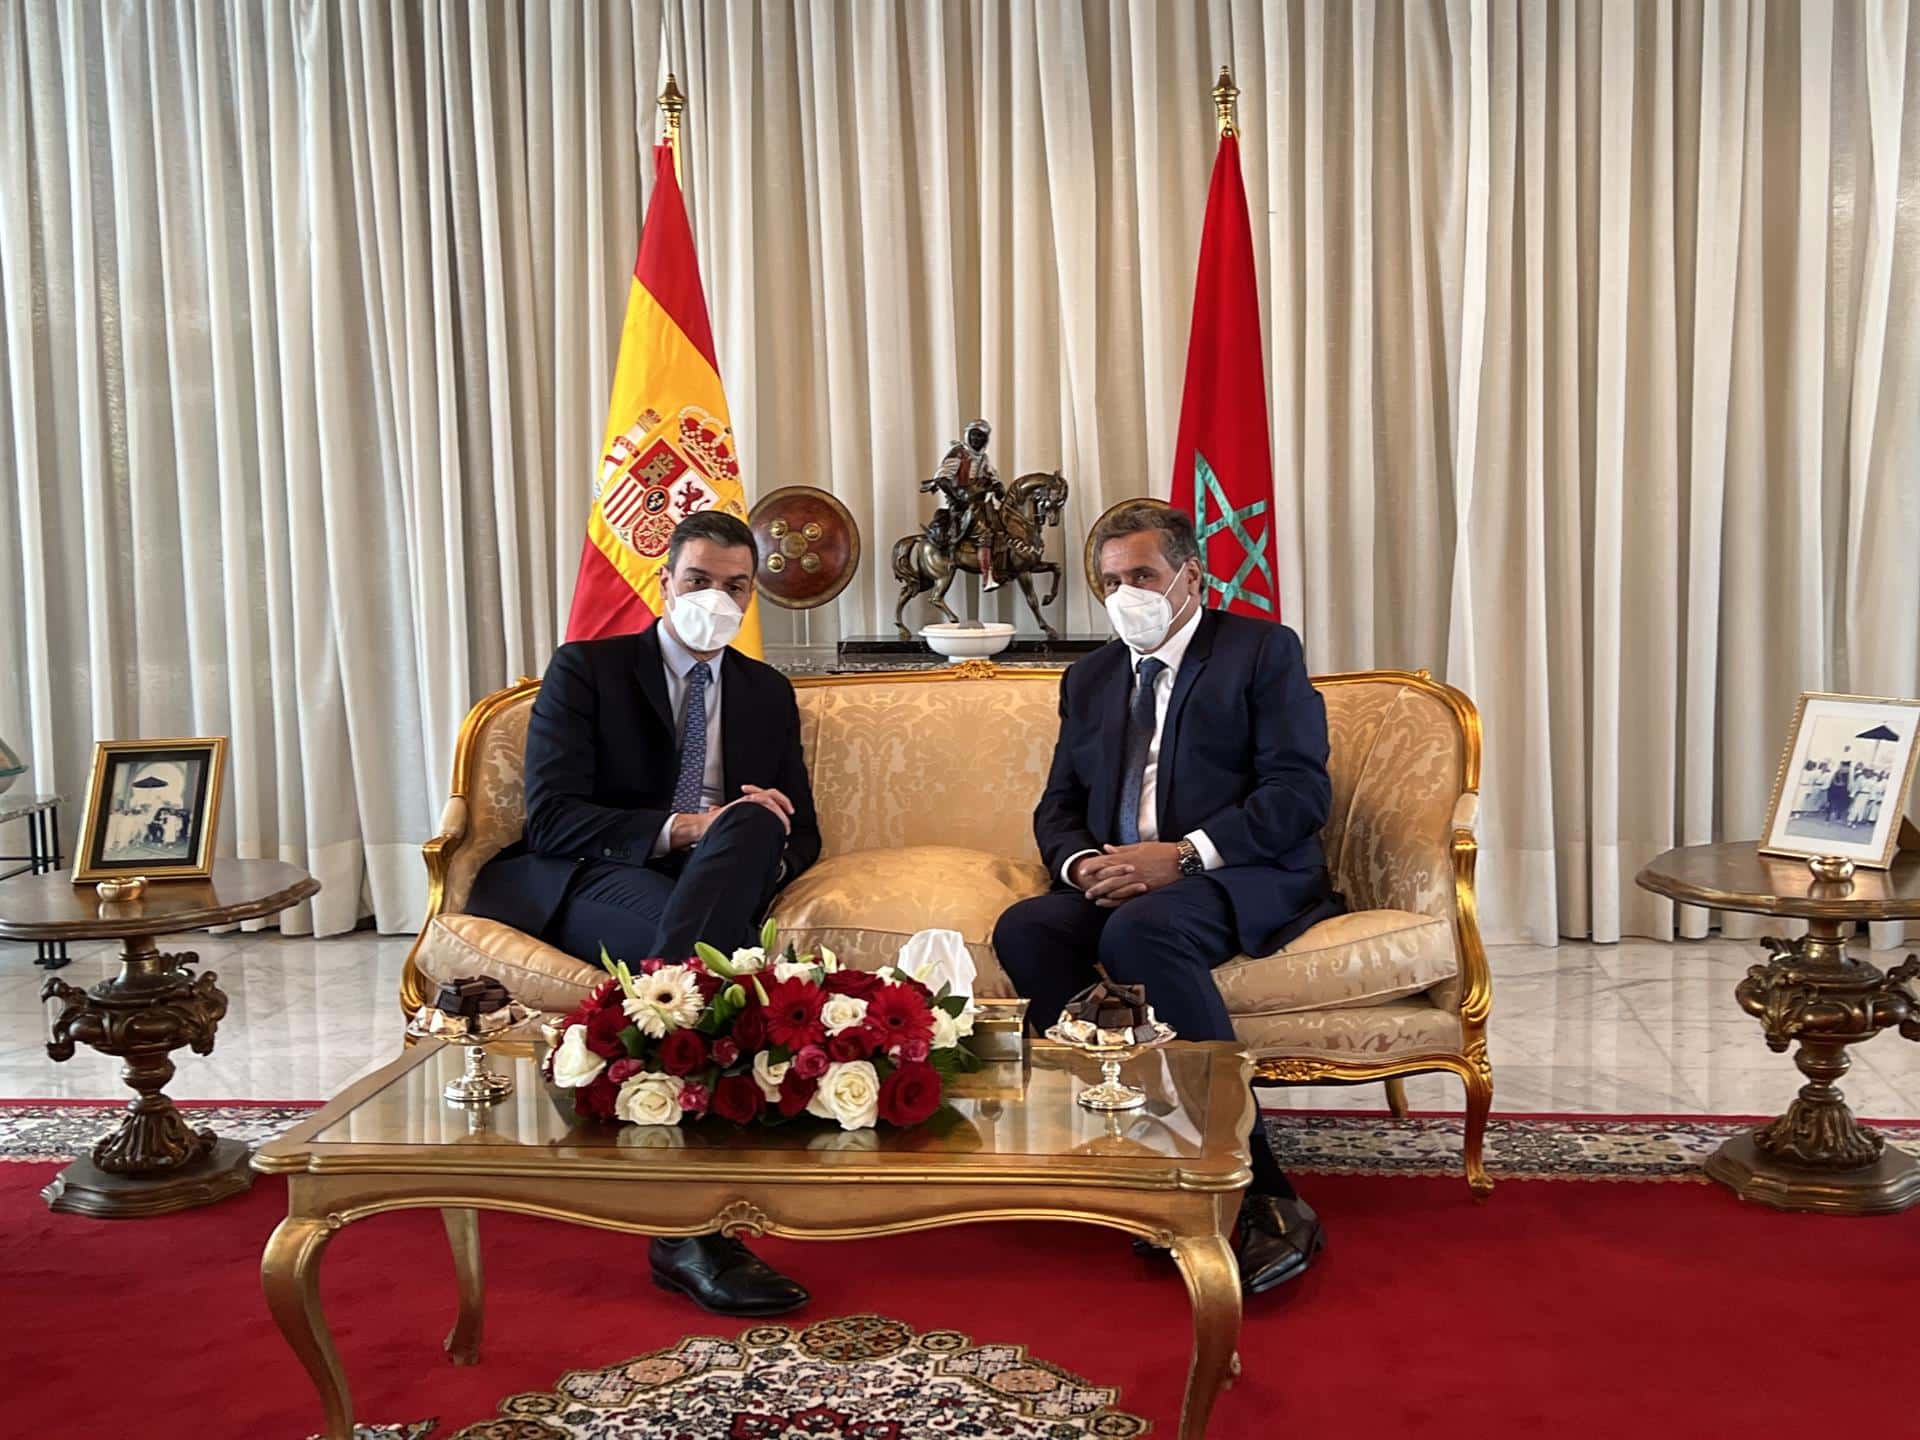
pixel 1243 756
pixel 602 757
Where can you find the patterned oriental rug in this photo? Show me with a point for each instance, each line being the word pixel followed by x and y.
pixel 1612 1306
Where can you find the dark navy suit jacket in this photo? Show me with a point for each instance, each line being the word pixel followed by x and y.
pixel 1243 756
pixel 602 757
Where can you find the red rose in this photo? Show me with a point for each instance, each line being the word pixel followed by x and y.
pixel 736 1098
pixel 911 1050
pixel 603 1032
pixel 647 967
pixel 623 1070
pixel 810 1062
pixel 909 1095
pixel 683 1052
pixel 793 1013
pixel 857 983
pixel 695 1098
pixel 725 1052
pixel 597 1100
pixel 750 1030
pixel 896 1013
pixel 795 1092
pixel 853 1043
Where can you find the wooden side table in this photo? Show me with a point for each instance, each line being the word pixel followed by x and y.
pixel 153 1163
pixel 1817 1156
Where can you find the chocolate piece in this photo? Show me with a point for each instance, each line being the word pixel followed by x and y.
pixel 471 995
pixel 1116 1014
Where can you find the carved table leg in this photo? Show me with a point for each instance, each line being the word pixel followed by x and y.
pixel 1817 1156
pixel 154 1162
pixel 290 1276
pixel 463 1234
pixel 1213 1284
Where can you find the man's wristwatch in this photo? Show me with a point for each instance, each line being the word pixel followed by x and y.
pixel 1190 861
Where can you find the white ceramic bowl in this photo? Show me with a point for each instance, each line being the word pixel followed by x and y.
pixel 967 642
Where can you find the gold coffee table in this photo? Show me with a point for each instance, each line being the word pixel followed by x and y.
pixel 1021 1150
pixel 1816 1156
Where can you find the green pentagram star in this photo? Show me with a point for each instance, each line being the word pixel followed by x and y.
pixel 1207 492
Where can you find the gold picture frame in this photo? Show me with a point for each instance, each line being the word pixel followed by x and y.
pixel 1820 805
pixel 167 830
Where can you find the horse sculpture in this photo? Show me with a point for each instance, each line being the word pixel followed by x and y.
pixel 1033 502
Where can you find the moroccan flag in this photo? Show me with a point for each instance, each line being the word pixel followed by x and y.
pixel 669 445
pixel 1222 463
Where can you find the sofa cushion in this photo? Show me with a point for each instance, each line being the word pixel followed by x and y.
pixel 1366 957
pixel 535 974
pixel 865 904
pixel 1397 1030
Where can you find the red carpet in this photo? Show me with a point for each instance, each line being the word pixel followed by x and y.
pixel 1558 1308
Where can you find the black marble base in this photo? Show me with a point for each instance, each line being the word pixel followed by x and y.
pixel 1022 647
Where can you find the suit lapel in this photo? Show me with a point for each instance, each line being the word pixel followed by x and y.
pixel 1191 664
pixel 650 669
pixel 1110 717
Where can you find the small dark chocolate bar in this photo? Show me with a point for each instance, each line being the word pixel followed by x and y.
pixel 470 995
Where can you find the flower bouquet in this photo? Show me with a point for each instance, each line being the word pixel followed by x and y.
pixel 759 1036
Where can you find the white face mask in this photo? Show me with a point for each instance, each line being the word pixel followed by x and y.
pixel 705 619
pixel 1142 618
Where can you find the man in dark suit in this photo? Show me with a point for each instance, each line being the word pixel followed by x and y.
pixel 1181 822
pixel 667 800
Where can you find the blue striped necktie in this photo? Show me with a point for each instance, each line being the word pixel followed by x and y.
pixel 1139 740
pixel 693 742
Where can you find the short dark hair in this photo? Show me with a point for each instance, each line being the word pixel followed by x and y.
pixel 717 526
pixel 1174 527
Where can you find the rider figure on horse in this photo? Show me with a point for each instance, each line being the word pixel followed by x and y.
pixel 970 496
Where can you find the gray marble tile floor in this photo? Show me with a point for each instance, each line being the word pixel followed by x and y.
pixel 1639 1028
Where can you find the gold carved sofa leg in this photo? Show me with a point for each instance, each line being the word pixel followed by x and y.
pixel 1478 1078
pixel 1397 1097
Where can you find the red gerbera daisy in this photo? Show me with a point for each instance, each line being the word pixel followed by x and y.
pixel 793 1013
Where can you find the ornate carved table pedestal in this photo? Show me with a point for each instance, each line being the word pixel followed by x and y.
pixel 153 1163
pixel 1816 1156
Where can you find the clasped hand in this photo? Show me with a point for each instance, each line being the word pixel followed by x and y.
pixel 689 829
pixel 1122 872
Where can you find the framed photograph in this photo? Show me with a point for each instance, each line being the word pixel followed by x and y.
pixel 1844 778
pixel 152 809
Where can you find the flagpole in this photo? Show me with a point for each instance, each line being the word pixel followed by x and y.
pixel 673 104
pixel 1225 93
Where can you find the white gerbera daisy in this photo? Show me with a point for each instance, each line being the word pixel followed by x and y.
pixel 668 999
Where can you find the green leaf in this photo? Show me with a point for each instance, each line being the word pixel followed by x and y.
pixel 953 1005
pixel 630 1038
pixel 727 1004
pixel 778 1054
pixel 769 933
pixel 715 960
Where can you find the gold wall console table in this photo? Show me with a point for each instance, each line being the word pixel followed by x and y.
pixel 154 1163
pixel 1817 1156
pixel 1172 1172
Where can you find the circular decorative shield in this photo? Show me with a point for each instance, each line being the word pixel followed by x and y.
pixel 809 546
pixel 1088 558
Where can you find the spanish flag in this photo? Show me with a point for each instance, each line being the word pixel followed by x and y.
pixel 669 445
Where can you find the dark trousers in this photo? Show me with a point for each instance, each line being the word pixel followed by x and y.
pixel 715 892
pixel 1168 940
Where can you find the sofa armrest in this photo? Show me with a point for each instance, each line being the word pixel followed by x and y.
pixel 1466 812
pixel 438 851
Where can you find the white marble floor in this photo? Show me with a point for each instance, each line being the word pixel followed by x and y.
pixel 1637 1028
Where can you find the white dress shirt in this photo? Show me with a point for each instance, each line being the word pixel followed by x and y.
pixel 678 661
pixel 1172 651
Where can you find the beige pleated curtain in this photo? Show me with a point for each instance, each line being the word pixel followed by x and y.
pixel 1591 349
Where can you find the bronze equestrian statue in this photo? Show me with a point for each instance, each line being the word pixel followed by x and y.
pixel 992 533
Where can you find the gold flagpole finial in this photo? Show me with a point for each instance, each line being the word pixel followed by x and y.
pixel 1225 93
pixel 673 104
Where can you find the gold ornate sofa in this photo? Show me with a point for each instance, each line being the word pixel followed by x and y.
pixel 925 784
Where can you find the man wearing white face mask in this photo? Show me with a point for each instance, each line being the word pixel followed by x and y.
pixel 1181 822
pixel 667 800
pixel 667 797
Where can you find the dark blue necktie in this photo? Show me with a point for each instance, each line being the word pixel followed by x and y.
pixel 693 742
pixel 1139 741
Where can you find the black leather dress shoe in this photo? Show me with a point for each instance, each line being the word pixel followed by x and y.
pixel 1278 1241
pixel 721 1274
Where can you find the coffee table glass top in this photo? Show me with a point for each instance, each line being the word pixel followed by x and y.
pixel 1197 1111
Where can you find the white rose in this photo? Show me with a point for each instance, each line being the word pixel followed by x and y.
pixel 790 969
pixel 649 1099
pixel 768 1075
pixel 850 1093
pixel 946 1034
pixel 574 1064
pixel 842 1012
pixel 829 961
pixel 749 959
pixel 963 1025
